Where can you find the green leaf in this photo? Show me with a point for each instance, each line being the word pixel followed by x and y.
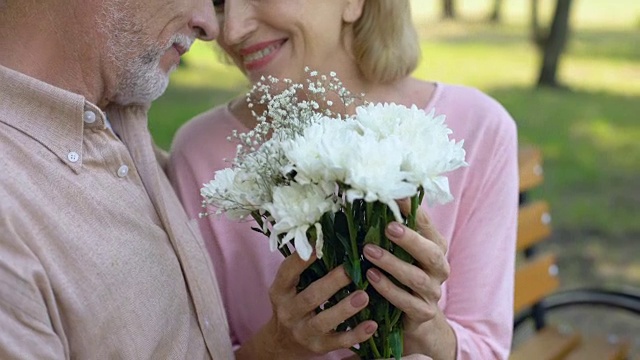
pixel 314 272
pixel 340 223
pixel 344 240
pixel 341 228
pixel 318 269
pixel 373 235
pixel 332 252
pixel 352 267
pixel 396 343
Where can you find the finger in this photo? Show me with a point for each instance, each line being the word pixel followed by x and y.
pixel 329 319
pixel 397 233
pixel 429 255
pixel 288 274
pixel 404 205
pixel 414 307
pixel 423 222
pixel 352 357
pixel 420 281
pixel 343 339
pixel 424 225
pixel 320 291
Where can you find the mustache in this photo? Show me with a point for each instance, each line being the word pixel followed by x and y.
pixel 182 41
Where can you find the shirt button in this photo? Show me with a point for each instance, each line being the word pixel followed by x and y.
pixel 123 171
pixel 207 324
pixel 89 117
pixel 73 156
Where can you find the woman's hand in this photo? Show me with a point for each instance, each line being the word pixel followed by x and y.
pixel 408 357
pixel 295 331
pixel 424 322
pixel 424 277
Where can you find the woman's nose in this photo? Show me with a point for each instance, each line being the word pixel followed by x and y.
pixel 238 22
pixel 204 22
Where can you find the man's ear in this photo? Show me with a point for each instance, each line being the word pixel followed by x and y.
pixel 352 10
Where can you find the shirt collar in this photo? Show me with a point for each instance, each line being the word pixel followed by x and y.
pixel 54 117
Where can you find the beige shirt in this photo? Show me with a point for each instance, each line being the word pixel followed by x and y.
pixel 97 257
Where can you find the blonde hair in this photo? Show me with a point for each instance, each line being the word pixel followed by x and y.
pixel 385 41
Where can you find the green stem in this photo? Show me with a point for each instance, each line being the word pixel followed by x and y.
pixel 386 330
pixel 374 348
pixel 352 232
pixel 384 242
pixel 396 317
pixel 414 211
pixel 420 195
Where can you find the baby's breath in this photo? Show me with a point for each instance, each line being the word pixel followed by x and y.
pixel 288 107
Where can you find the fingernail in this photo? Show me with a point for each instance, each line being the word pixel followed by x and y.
pixel 395 229
pixel 373 275
pixel 359 300
pixel 373 251
pixel 371 328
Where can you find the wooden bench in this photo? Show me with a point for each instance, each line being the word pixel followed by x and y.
pixel 537 285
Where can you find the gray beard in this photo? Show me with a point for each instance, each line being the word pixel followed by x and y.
pixel 141 80
pixel 138 77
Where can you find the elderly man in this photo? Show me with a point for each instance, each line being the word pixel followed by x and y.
pixel 97 258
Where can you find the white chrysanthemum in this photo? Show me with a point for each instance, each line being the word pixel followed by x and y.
pixel 374 172
pixel 233 192
pixel 426 148
pixel 321 152
pixel 427 164
pixel 297 207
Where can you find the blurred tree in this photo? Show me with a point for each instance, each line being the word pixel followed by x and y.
pixel 537 34
pixel 552 43
pixel 495 16
pixel 448 9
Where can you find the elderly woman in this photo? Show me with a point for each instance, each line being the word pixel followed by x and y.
pixel 460 303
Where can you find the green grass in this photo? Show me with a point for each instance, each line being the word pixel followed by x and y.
pixel 589 133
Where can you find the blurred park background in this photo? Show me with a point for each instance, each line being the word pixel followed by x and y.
pixel 588 124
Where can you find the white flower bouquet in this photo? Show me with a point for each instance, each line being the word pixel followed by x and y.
pixel 311 176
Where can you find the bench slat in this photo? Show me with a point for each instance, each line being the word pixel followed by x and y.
pixel 534 224
pixel 534 280
pixel 530 167
pixel 547 344
pixel 598 348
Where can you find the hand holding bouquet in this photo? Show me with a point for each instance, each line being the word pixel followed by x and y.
pixel 326 181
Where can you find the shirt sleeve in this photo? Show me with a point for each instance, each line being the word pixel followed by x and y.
pixel 480 288
pixel 27 329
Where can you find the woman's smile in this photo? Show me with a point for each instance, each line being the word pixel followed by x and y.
pixel 259 55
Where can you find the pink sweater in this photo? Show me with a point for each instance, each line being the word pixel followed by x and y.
pixel 480 224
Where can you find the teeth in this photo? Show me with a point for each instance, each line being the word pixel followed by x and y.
pixel 259 54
